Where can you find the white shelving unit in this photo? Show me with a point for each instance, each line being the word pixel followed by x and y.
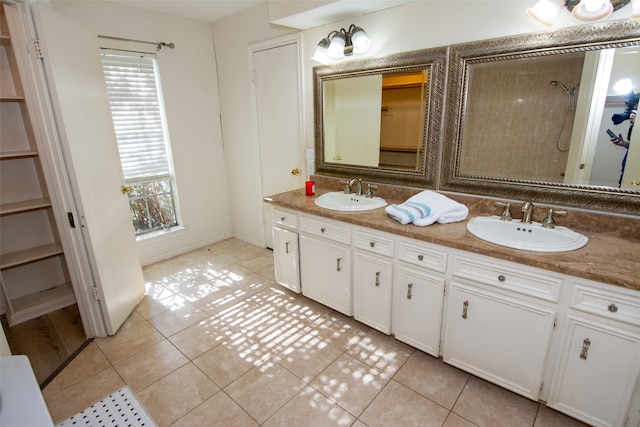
pixel 34 273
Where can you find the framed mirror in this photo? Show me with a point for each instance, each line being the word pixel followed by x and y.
pixel 380 119
pixel 527 118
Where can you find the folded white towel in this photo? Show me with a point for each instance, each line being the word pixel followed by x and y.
pixel 408 211
pixel 428 207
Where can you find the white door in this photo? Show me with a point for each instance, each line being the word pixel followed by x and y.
pixel 71 59
pixel 278 108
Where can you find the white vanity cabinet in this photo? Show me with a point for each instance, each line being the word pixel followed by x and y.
pixel 286 258
pixel 373 278
pixel 599 356
pixel 419 283
pixel 495 327
pixel 325 262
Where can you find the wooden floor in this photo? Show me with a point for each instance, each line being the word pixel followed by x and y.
pixel 48 340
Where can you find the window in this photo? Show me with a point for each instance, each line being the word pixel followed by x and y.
pixel 138 118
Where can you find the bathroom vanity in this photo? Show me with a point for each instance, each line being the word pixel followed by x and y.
pixel 550 327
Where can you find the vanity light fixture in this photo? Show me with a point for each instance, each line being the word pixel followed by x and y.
pixel 343 43
pixel 546 11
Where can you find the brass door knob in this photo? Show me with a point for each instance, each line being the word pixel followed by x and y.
pixel 295 171
pixel 125 190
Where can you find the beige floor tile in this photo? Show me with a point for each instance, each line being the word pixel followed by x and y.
pixel 148 366
pixel 339 330
pixel 454 420
pixel 230 360
pixel 350 383
pixel 202 337
pixel 180 315
pixel 547 417
pixel 380 351
pixel 264 389
pixel 310 408
pixel 135 318
pixel 306 355
pixel 89 362
pixel 129 342
pixel 432 378
pixel 217 411
pixel 307 311
pixel 84 394
pixel 486 404
pixel 175 395
pixel 397 405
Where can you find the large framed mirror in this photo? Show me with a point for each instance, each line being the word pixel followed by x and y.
pixel 527 118
pixel 380 119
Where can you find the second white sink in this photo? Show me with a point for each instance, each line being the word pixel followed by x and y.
pixel 529 237
pixel 339 201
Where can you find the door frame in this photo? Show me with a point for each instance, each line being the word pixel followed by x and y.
pixel 295 39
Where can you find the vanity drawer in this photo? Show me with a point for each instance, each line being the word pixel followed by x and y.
pixel 509 276
pixel 328 229
pixel 422 255
pixel 374 242
pixel 284 218
pixel 607 301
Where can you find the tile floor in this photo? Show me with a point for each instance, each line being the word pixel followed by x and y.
pixel 216 342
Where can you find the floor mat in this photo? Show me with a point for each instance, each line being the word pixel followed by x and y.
pixel 119 409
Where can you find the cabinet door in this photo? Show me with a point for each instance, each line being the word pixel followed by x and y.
pixel 325 273
pixel 286 259
pixel 372 290
pixel 596 374
pixel 418 300
pixel 499 338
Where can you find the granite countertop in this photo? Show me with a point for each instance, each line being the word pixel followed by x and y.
pixel 607 257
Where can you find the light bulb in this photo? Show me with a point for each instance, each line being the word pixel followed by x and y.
pixel 545 11
pixel 361 42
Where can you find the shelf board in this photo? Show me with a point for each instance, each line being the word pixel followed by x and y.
pixel 24 206
pixel 31 306
pixel 13 259
pixel 19 154
pixel 12 98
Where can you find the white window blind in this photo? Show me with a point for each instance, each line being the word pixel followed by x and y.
pixel 131 79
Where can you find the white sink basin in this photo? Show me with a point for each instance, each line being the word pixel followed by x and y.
pixel 529 237
pixel 339 201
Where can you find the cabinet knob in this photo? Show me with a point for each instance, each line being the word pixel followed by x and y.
pixel 465 308
pixel 338 261
pixel 613 308
pixel 322 230
pixel 420 257
pixel 372 244
pixel 502 278
pixel 377 278
pixel 409 290
pixel 282 218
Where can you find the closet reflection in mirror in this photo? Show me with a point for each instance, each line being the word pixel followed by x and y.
pixel 375 120
pixel 544 118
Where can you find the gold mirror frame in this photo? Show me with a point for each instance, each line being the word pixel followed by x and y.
pixel 433 60
pixel 578 39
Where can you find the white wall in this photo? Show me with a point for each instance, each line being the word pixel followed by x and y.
pixel 416 25
pixel 232 37
pixel 189 85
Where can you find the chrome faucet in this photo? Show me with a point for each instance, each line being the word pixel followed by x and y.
pixel 527 212
pixel 549 221
pixel 358 183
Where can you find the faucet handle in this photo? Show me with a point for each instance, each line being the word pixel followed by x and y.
pixel 506 213
pixel 549 222
pixel 370 187
pixel 347 188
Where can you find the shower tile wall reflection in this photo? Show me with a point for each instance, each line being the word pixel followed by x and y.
pixel 532 142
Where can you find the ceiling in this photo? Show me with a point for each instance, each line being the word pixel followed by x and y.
pixel 200 10
pixel 300 14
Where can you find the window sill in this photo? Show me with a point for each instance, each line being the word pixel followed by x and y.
pixel 156 236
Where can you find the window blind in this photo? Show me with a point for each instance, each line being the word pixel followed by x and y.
pixel 131 79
